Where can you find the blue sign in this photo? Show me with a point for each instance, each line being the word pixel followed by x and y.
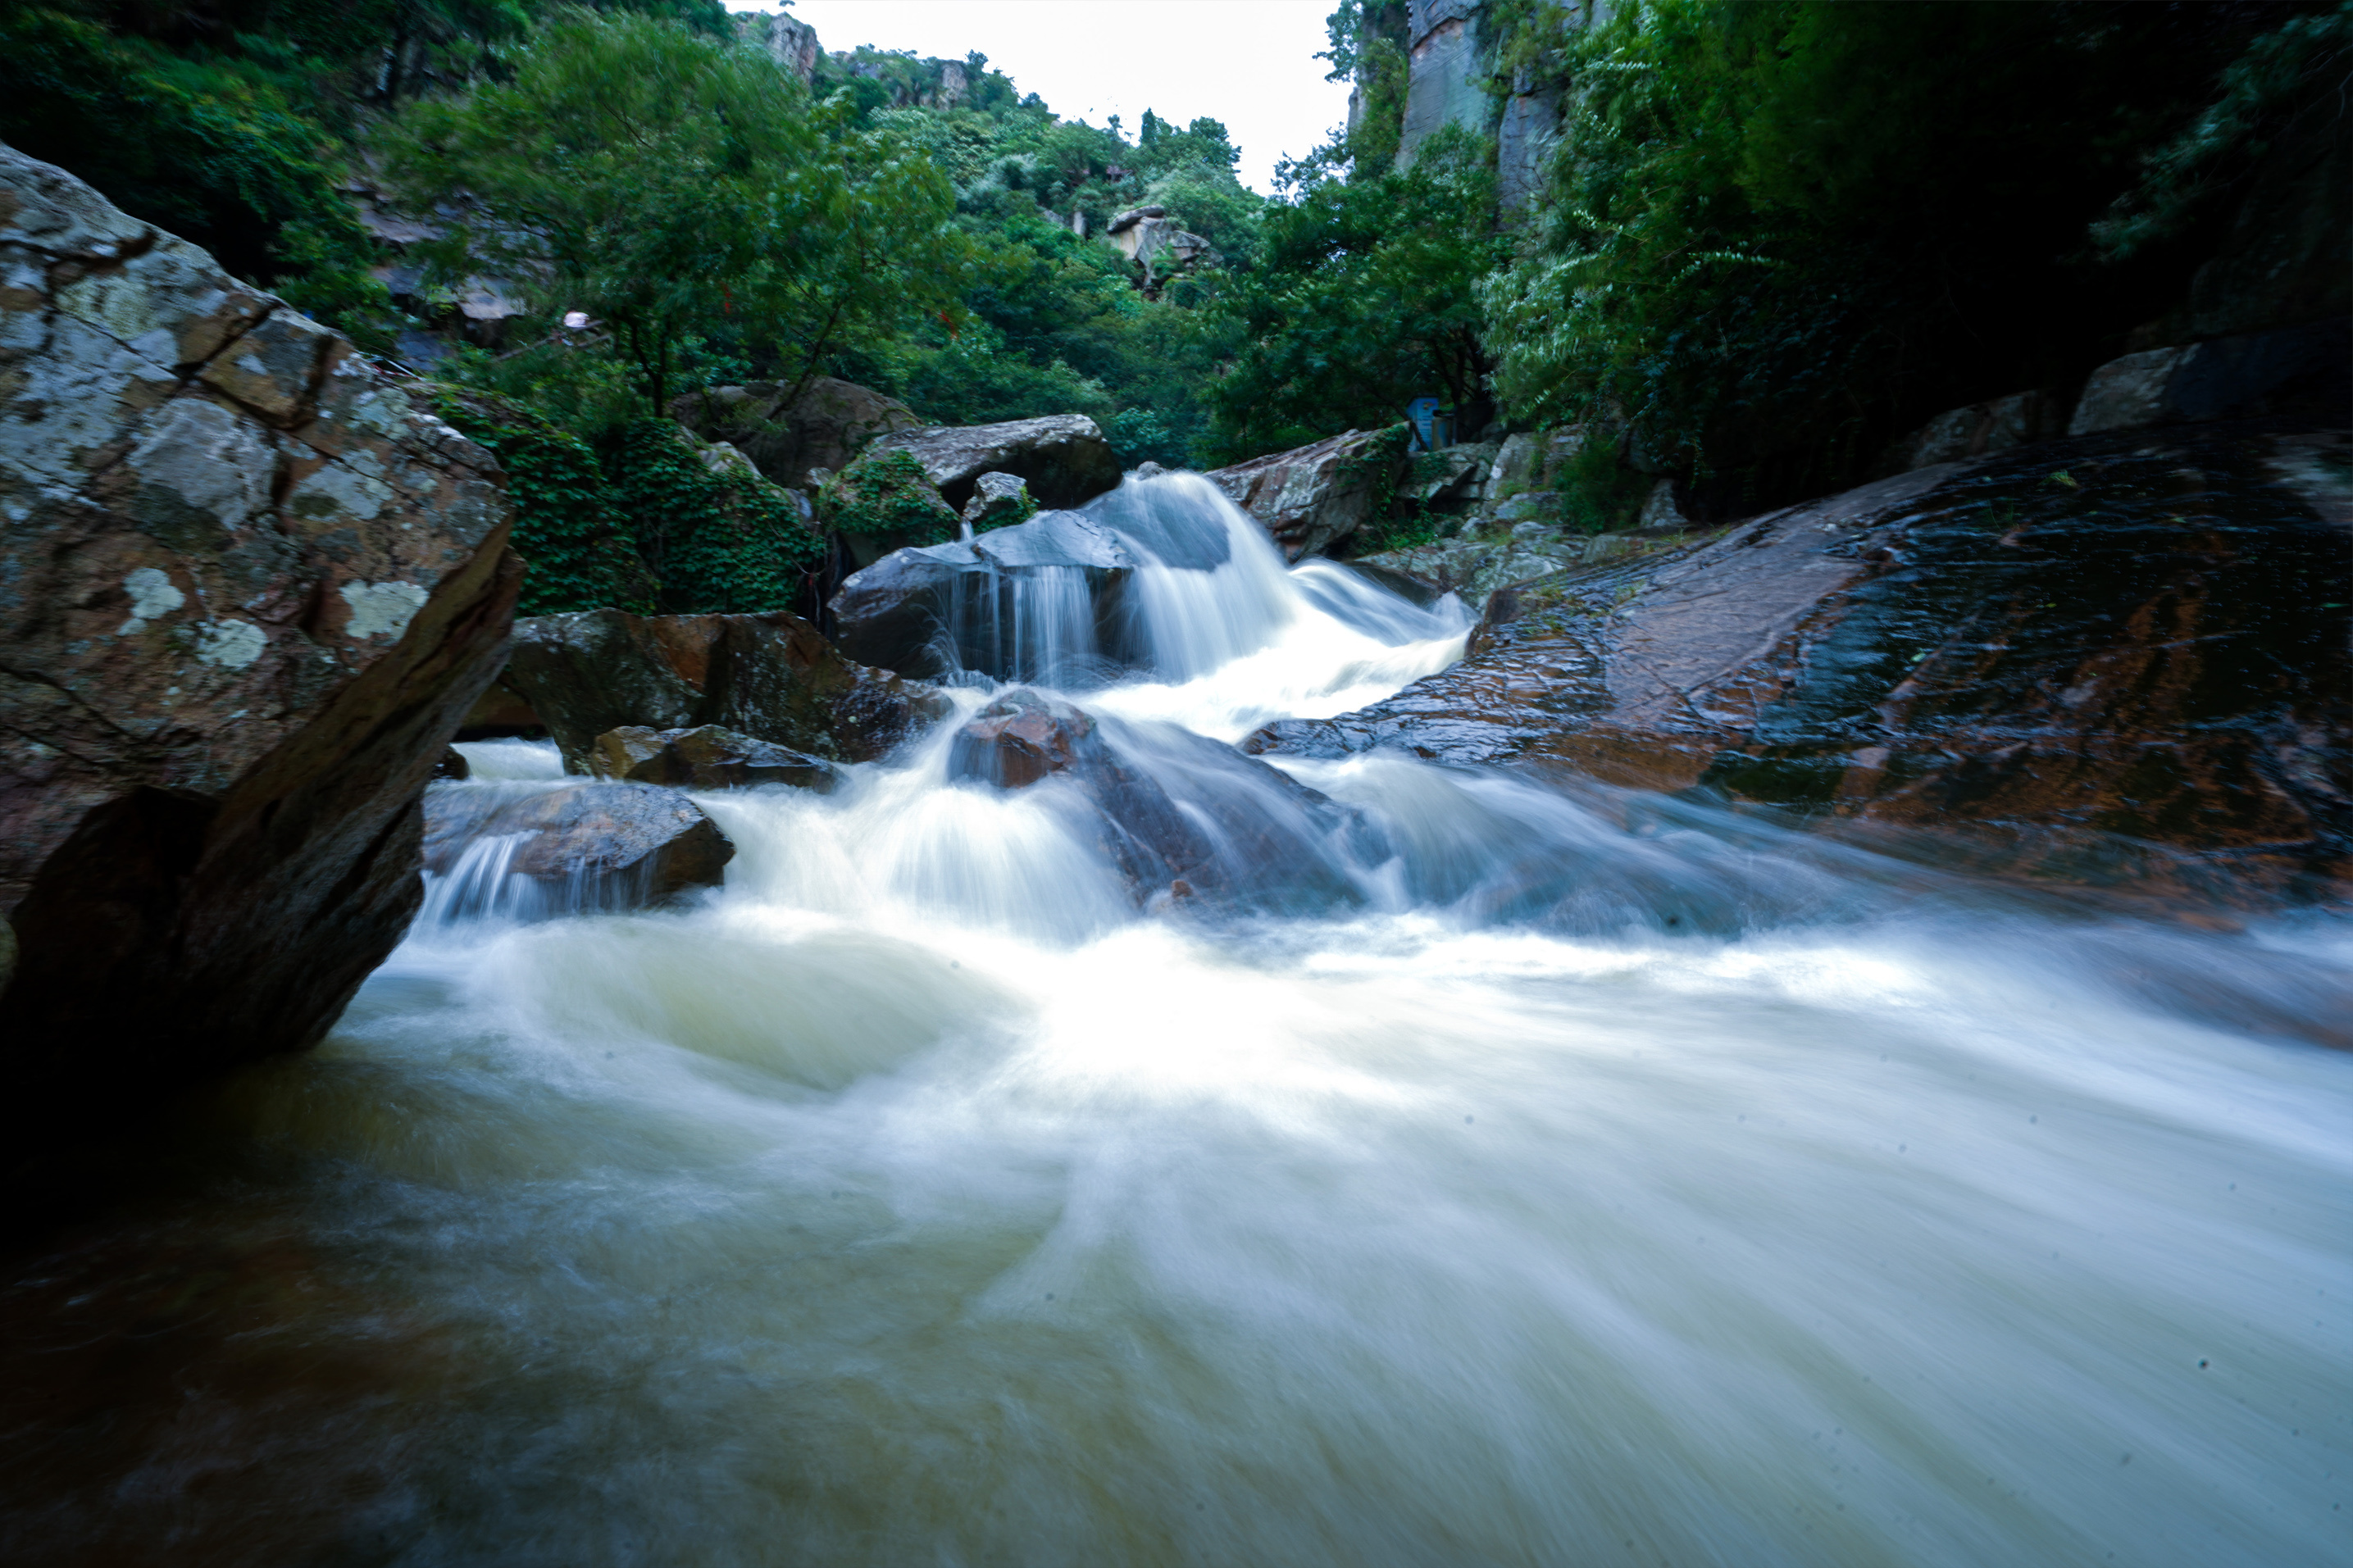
pixel 1422 415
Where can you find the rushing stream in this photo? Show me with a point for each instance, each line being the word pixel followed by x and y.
pixel 1508 1175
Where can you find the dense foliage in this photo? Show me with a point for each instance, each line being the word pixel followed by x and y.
pixel 1780 232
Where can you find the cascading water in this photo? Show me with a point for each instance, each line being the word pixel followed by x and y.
pixel 1502 1175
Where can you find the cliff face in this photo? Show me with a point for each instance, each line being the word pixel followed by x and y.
pixel 247 593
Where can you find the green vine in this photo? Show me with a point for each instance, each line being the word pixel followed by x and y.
pixel 724 541
pixel 575 541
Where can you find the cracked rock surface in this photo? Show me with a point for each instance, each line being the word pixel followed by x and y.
pixel 247 590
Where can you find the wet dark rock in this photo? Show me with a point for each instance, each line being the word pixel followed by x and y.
pixel 1181 815
pixel 1063 457
pixel 706 758
pixel 2073 649
pixel 607 845
pixel 452 765
pixel 247 590
pixel 1311 497
pixel 930 611
pixel 770 678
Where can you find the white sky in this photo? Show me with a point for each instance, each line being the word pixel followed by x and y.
pixel 1250 63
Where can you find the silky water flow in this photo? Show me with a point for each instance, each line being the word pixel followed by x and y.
pixel 1507 1176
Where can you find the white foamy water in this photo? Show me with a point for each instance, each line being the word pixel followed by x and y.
pixel 1558 1181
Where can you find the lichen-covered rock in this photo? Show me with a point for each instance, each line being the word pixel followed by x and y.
pixel 247 590
pixel 605 845
pixel 1311 497
pixel 709 757
pixel 2085 649
pixel 773 678
pixel 1062 457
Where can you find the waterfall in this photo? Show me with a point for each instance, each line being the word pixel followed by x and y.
pixel 1465 1171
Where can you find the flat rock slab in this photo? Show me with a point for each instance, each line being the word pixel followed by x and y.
pixel 2134 642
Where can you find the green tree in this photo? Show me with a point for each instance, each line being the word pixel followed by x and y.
pixel 673 186
pixel 1364 298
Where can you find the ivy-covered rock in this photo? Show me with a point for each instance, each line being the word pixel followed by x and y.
pixel 885 495
pixel 718 539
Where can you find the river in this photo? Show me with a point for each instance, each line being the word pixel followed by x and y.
pixel 1513 1175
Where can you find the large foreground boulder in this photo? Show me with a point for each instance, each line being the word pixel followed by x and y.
pixel 1033 602
pixel 1063 457
pixel 2131 649
pixel 1311 497
pixel 247 590
pixel 772 678
pixel 577 847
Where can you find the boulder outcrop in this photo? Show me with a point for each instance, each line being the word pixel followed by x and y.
pixel 706 758
pixel 1063 457
pixel 1011 603
pixel 247 590
pixel 2120 650
pixel 771 678
pixel 2295 370
pixel 606 846
pixel 1311 497
pixel 784 436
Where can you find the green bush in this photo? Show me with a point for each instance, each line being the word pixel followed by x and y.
pixel 715 541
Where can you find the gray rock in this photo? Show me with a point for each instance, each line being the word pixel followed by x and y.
pixel 606 846
pixel 247 590
pixel 2296 369
pixel 1979 428
pixel 773 678
pixel 1063 457
pixel 998 502
pixel 932 611
pixel 708 757
pixel 1311 497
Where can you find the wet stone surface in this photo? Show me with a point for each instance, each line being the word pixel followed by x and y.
pixel 2142 638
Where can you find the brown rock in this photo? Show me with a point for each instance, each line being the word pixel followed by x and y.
pixel 247 591
pixel 2135 649
pixel 706 758
pixel 771 678
pixel 1312 497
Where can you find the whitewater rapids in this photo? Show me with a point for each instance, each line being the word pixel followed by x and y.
pixel 1598 1182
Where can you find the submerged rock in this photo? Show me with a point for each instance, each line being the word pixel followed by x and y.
pixel 771 678
pixel 2083 647
pixel 1058 581
pixel 1063 457
pixel 1311 497
pixel 606 846
pixel 1180 815
pixel 247 590
pixel 706 758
